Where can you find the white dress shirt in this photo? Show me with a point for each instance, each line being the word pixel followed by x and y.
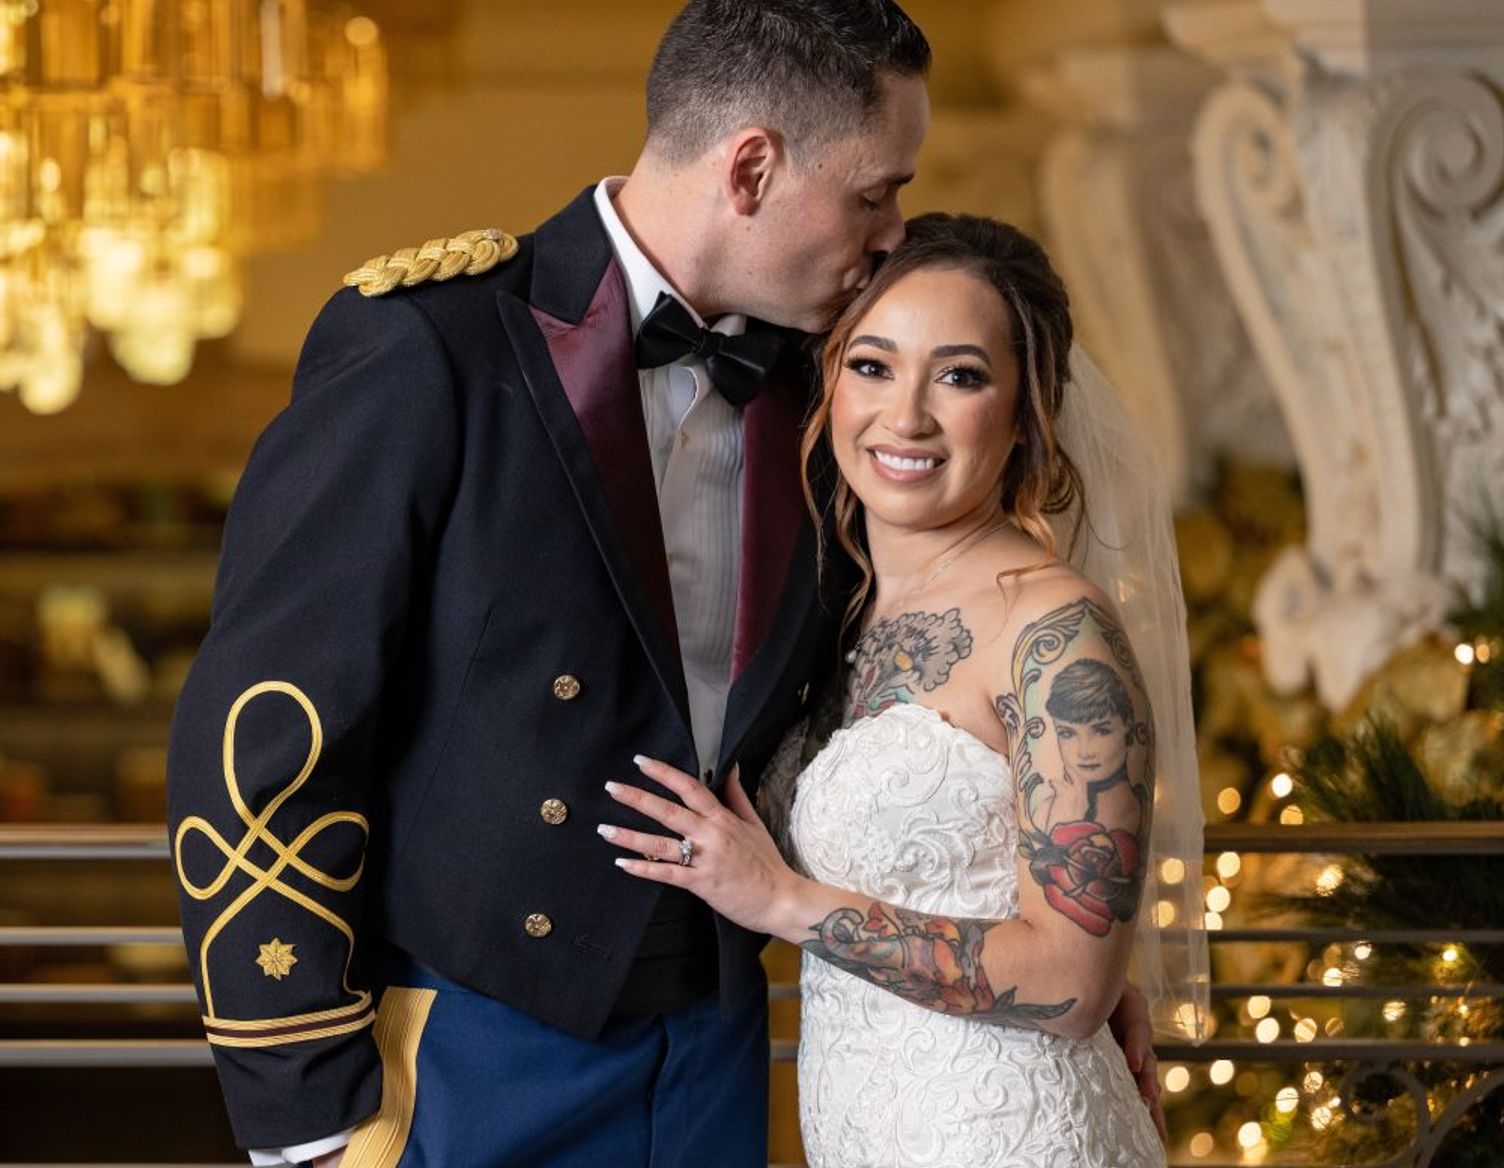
pixel 695 437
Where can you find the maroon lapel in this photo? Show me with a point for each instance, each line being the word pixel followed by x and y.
pixel 772 509
pixel 593 360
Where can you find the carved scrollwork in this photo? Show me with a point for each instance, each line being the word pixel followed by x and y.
pixel 1360 223
pixel 1431 1130
pixel 1441 163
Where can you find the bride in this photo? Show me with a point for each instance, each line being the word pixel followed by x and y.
pixel 971 848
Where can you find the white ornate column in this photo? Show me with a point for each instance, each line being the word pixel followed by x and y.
pixel 1351 171
pixel 1118 200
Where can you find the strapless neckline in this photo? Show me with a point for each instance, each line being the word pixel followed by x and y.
pixel 928 713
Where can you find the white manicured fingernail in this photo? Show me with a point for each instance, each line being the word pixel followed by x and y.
pixel 640 760
pixel 622 862
pixel 607 830
pixel 612 788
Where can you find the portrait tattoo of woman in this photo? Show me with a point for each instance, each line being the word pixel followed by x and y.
pixel 1084 820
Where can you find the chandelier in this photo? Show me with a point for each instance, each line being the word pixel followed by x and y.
pixel 146 148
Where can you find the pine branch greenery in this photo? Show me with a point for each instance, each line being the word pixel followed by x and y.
pixel 1484 616
pixel 1480 619
pixel 1372 777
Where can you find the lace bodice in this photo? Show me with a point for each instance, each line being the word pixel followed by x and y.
pixel 905 807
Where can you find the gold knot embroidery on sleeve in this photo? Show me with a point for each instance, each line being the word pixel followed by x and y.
pixel 469 254
pixel 276 959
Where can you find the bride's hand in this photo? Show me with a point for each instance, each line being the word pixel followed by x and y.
pixel 734 867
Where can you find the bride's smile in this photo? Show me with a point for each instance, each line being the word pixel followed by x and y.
pixel 922 415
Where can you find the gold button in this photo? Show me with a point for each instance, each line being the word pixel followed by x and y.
pixel 566 687
pixel 538 925
pixel 554 812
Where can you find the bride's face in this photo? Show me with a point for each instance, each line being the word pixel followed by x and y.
pixel 923 411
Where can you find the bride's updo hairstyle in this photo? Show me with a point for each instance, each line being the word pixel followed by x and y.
pixel 1039 478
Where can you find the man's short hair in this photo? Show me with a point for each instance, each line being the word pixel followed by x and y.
pixel 813 70
pixel 1086 690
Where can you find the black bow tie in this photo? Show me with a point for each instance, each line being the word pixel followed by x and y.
pixel 738 366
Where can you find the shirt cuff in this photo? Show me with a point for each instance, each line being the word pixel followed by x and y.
pixel 298 1153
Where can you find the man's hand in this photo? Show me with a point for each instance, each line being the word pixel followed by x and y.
pixel 1130 1026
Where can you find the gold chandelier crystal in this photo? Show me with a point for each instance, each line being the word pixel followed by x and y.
pixel 146 147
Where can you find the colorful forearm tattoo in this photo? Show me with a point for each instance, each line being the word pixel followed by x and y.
pixel 899 658
pixel 1082 740
pixel 932 961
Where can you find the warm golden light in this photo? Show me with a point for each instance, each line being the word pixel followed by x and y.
pixel 145 150
pixel 1292 815
pixel 1229 864
pixel 1222 1071
pixel 1329 880
pixel 361 31
pixel 1172 871
pixel 1229 800
pixel 1465 654
pixel 1250 1135
pixel 1259 1005
pixel 1218 899
pixel 1287 1100
pixel 1202 1144
pixel 1177 1079
pixel 1267 1030
pixel 1281 785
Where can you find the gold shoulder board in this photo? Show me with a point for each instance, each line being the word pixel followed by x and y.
pixel 469 254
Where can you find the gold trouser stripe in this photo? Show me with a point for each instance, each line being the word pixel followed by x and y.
pixel 380 1141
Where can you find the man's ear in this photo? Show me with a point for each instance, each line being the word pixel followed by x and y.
pixel 751 160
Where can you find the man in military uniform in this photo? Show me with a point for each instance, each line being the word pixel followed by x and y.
pixel 534 508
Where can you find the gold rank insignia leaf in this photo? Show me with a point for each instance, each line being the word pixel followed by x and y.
pixel 471 253
pixel 276 959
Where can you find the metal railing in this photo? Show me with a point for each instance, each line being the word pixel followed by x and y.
pixel 1365 1057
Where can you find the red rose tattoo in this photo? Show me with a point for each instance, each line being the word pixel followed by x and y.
pixel 1088 872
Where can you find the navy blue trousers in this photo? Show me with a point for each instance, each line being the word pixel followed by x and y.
pixel 469 1082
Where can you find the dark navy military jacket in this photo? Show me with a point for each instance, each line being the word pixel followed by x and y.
pixel 442 622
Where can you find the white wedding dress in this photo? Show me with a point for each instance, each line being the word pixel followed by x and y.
pixel 904 807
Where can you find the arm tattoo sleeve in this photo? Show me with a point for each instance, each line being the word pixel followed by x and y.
pixel 932 961
pixel 1083 755
pixel 896 659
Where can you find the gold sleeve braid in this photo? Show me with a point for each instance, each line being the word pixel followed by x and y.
pixel 469 254
pixel 356 1013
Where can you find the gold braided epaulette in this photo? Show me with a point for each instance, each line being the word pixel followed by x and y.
pixel 469 254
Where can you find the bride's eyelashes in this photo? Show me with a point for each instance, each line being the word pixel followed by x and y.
pixel 868 367
pixel 963 376
pixel 966 376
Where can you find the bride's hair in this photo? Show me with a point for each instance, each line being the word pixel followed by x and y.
pixel 1039 478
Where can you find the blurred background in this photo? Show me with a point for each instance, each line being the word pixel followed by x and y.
pixel 1282 222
